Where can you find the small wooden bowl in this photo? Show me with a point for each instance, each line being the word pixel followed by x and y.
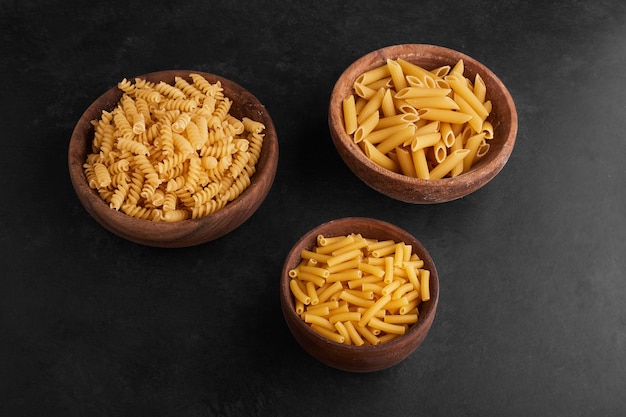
pixel 188 232
pixel 414 190
pixel 366 358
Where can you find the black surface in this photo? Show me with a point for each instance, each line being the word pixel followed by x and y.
pixel 531 318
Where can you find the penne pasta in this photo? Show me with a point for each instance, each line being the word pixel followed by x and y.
pixel 397 139
pixel 397 75
pixel 448 163
pixel 366 127
pixel 421 92
pixel 379 158
pixel 458 83
pixel 435 102
pixel 372 75
pixel 442 115
pixel 349 114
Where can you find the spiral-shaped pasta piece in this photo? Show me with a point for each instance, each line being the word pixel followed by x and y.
pixel 181 122
pixel 252 126
pixel 169 91
pixel 104 138
pixel 189 90
pixel 134 187
pixel 256 143
pixel 185 197
pixel 182 104
pixel 193 133
pixel 101 172
pixel 209 207
pixel 132 146
pixel 149 135
pixel 144 108
pixel 218 149
pixel 175 184
pixel 92 180
pixel 158 197
pixel 166 139
pixel 122 124
pixel 239 163
pixel 235 124
pixel 142 213
pixel 238 187
pixel 176 215
pixel 105 194
pixel 173 172
pixel 207 108
pixel 119 195
pixel 182 144
pixel 175 159
pixel 223 107
pixel 152 180
pixel 169 202
pixel 203 127
pixel 193 175
pixel 206 87
pixel 149 95
pixel 206 193
pixel 126 86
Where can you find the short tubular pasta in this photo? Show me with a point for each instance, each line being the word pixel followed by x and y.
pixel 442 98
pixel 353 309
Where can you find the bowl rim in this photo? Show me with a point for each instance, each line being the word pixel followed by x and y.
pixel 425 319
pixel 83 130
pixel 376 58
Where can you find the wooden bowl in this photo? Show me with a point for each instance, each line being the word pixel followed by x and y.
pixel 188 232
pixel 352 358
pixel 409 189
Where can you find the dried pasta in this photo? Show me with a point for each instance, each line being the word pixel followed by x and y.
pixel 411 120
pixel 355 290
pixel 170 152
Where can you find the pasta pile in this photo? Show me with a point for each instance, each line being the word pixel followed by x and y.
pixel 354 290
pixel 420 123
pixel 172 152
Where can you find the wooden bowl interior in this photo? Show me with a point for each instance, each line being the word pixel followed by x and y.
pixel 415 190
pixel 349 357
pixel 188 232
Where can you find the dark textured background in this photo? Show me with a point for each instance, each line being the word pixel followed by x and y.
pixel 531 320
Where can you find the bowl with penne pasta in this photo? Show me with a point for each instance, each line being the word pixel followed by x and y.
pixel 359 294
pixel 422 124
pixel 173 158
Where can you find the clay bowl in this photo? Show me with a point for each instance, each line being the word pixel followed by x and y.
pixel 352 358
pixel 188 232
pixel 409 189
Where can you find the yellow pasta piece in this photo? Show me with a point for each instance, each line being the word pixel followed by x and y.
pixel 424 284
pixel 349 114
pixel 298 293
pixel 355 337
pixel 448 163
pixel 329 334
pixel 377 323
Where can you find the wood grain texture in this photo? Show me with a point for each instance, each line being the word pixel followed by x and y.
pixel 353 358
pixel 415 190
pixel 189 232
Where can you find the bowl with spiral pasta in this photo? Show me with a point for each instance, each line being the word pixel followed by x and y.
pixel 173 158
pixel 422 124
